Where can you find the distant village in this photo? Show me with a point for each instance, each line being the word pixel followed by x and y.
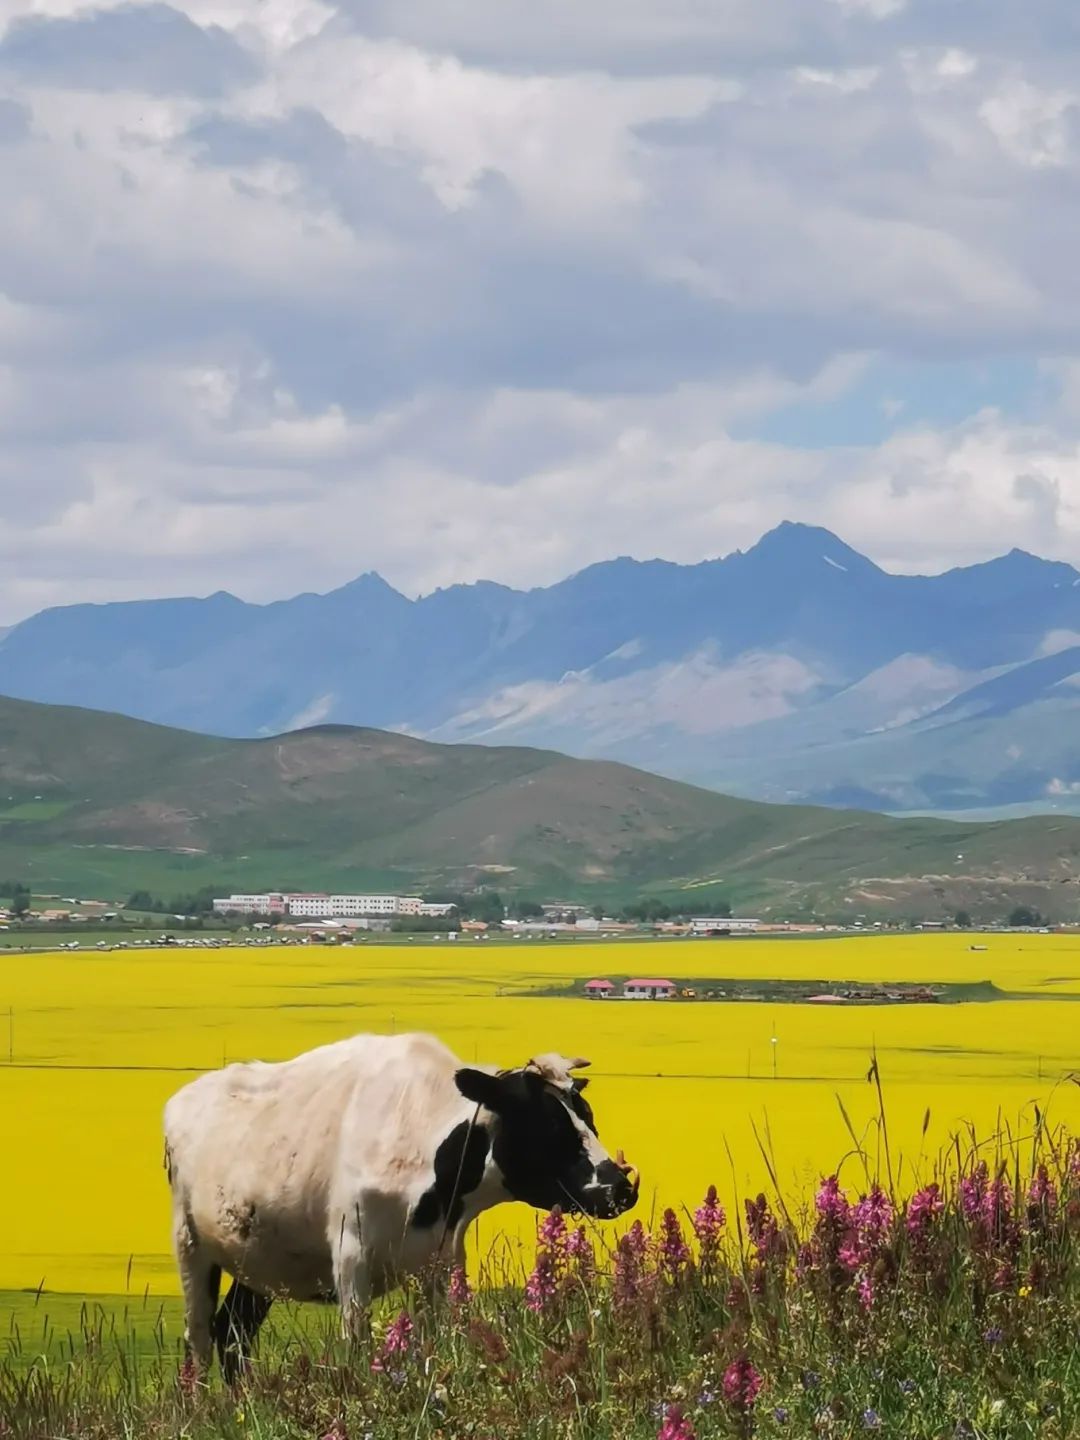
pixel 639 988
pixel 336 918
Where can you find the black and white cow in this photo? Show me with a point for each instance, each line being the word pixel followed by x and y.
pixel 334 1175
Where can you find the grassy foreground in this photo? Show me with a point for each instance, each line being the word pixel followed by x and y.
pixel 953 1313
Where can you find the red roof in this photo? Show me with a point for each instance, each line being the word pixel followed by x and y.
pixel 662 984
pixel 599 985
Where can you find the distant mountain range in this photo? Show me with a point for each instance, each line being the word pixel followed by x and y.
pixel 99 804
pixel 796 671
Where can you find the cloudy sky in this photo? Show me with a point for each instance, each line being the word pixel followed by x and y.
pixel 293 289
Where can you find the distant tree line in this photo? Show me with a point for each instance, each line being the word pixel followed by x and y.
pixel 17 895
pixel 195 903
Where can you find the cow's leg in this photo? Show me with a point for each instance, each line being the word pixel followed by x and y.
pixel 352 1281
pixel 236 1326
pixel 200 1279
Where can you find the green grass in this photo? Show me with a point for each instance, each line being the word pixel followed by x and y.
pixel 35 810
pixel 37 1327
pixel 951 1314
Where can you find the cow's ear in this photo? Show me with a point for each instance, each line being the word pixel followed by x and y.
pixel 581 1082
pixel 481 1088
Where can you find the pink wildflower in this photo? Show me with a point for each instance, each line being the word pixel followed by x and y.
pixel 874 1214
pixel 626 1283
pixel 459 1291
pixel 996 1211
pixel 674 1251
pixel 709 1218
pixel 552 1230
pixel 852 1253
pixel 579 1250
pixel 923 1207
pixel 336 1432
pixel 396 1341
pixel 1004 1277
pixel 541 1287
pixel 830 1201
pixel 637 1240
pixel 399 1336
pixel 741 1383
pixel 866 1290
pixel 1042 1191
pixel 973 1192
pixel 676 1425
pixel 189 1376
pixel 763 1230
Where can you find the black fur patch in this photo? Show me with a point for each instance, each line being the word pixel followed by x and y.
pixel 537 1146
pixel 235 1326
pixel 459 1168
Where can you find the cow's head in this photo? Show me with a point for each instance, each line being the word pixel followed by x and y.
pixel 544 1139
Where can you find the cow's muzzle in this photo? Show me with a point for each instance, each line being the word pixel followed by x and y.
pixel 614 1191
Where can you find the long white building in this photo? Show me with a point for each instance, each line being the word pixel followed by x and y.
pixel 319 906
pixel 705 925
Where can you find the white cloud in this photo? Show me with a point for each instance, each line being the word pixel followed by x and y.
pixel 1031 125
pixel 500 290
pixel 1054 641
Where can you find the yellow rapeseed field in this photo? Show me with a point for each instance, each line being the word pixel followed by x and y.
pixel 99 1040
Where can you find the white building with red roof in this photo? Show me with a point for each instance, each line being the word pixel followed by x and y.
pixel 648 990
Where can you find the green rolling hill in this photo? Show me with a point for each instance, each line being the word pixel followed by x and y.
pixel 98 803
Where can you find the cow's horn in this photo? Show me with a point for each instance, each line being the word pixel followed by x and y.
pixel 554 1065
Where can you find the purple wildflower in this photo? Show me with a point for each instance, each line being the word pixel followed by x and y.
pixel 674 1251
pixel 1004 1277
pixel 741 1383
pixel 1042 1190
pixel 994 1335
pixel 459 1292
pixel 874 1214
pixel 399 1336
pixel 768 1239
pixel 551 1231
pixel 871 1419
pixel 923 1207
pixel 830 1201
pixel 973 1192
pixel 852 1253
pixel 676 1425
pixel 709 1219
pixel 579 1250
pixel 997 1205
pixel 637 1240
pixel 541 1287
pixel 396 1341
pixel 626 1282
pixel 781 1414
